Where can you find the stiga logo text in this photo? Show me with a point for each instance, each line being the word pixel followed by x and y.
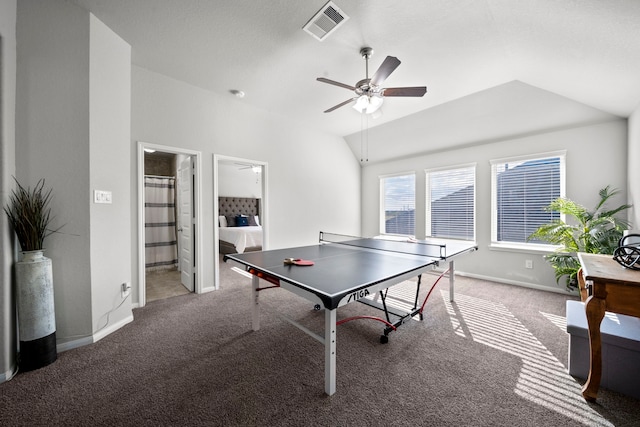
pixel 357 295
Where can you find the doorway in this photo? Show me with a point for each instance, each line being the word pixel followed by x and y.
pixel 168 203
pixel 259 170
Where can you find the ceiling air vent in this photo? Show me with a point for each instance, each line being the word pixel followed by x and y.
pixel 326 21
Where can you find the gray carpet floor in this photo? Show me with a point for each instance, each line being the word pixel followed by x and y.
pixel 497 356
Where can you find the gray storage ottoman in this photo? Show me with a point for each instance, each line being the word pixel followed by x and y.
pixel 620 336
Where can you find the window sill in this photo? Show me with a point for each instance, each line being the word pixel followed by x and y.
pixel 523 248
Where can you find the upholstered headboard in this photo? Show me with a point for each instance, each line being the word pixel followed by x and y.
pixel 238 206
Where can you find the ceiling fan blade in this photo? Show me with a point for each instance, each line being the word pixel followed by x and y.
pixel 405 91
pixel 332 82
pixel 339 105
pixel 388 66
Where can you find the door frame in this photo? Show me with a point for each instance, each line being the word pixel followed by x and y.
pixel 197 211
pixel 264 212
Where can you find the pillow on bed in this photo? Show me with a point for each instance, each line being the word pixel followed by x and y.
pixel 242 221
pixel 257 219
pixel 231 220
pixel 252 220
pixel 222 221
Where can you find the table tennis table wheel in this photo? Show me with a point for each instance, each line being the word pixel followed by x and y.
pixel 384 339
pixel 317 307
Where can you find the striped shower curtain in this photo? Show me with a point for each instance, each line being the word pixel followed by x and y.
pixel 160 223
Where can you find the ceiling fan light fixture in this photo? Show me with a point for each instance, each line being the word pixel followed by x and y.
pixel 361 103
pixel 369 91
pixel 368 104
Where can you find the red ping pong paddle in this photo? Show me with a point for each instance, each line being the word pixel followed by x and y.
pixel 298 261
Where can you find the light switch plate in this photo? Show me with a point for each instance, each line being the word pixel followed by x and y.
pixel 100 196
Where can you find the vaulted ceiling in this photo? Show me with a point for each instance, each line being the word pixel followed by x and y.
pixel 586 51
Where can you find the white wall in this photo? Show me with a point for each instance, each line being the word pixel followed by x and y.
pixel 52 117
pixel 110 132
pixel 8 363
pixel 596 157
pixel 73 97
pixel 633 163
pixel 236 182
pixel 314 179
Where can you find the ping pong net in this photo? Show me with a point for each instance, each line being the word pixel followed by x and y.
pixel 402 245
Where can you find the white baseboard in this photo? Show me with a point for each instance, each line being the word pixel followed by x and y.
pixel 69 345
pixel 106 331
pixel 557 290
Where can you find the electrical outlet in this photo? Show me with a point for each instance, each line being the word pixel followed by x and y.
pixel 125 289
pixel 528 263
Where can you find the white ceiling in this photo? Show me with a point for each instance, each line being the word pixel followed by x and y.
pixel 584 50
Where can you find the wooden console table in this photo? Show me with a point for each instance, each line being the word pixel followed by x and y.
pixel 615 289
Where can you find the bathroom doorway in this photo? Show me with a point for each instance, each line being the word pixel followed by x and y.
pixel 169 213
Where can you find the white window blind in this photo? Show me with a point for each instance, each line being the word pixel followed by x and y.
pixel 398 196
pixel 450 201
pixel 521 189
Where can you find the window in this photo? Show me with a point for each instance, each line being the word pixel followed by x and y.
pixel 521 189
pixel 398 202
pixel 450 202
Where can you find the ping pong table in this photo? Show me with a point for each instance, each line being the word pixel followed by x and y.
pixel 348 269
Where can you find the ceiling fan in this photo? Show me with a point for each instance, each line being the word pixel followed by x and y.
pixel 254 168
pixel 368 91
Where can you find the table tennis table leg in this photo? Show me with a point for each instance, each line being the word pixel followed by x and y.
pixel 255 303
pixel 451 275
pixel 330 351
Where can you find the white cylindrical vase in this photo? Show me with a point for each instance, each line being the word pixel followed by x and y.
pixel 36 311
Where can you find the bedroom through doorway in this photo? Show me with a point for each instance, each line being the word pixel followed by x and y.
pixel 240 206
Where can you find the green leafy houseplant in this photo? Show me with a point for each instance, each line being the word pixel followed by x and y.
pixel 30 215
pixel 597 231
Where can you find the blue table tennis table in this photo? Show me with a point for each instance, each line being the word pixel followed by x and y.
pixel 349 269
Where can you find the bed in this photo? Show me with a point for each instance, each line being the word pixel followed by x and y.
pixel 239 225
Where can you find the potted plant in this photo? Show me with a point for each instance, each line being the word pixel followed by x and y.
pixel 30 216
pixel 597 231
